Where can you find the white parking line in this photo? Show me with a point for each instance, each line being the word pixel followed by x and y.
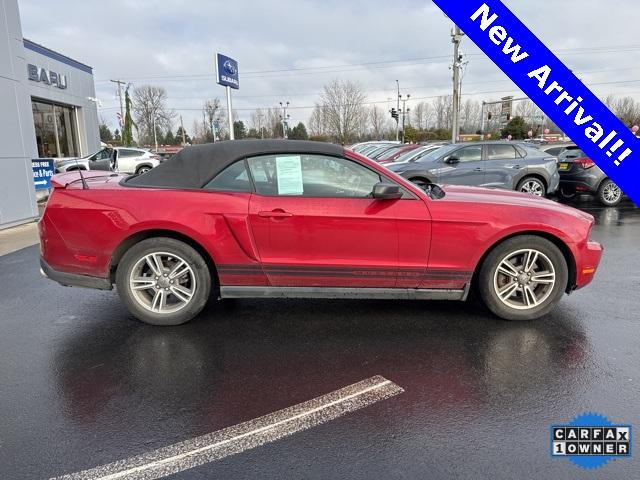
pixel 238 438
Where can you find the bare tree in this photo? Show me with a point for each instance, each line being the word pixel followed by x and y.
pixel 150 109
pixel 379 120
pixel 443 111
pixel 342 105
pixel 627 110
pixel 422 115
pixel 214 118
pixel 470 116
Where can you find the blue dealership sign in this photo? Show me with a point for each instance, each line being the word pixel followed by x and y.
pixel 227 71
pixel 43 170
pixel 552 87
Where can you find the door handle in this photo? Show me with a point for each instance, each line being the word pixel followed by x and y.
pixel 277 213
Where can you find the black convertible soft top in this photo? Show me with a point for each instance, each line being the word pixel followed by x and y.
pixel 195 166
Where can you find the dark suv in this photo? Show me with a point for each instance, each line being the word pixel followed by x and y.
pixel 485 164
pixel 579 174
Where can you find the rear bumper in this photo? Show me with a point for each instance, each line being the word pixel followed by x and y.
pixel 587 262
pixel 585 181
pixel 73 279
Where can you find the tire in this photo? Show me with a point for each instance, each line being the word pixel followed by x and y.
pixel 142 169
pixel 566 194
pixel 181 297
pixel 532 186
pixel 609 194
pixel 519 303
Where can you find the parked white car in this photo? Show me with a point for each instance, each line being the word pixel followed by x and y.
pixel 119 159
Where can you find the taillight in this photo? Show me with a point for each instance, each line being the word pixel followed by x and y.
pixel 585 163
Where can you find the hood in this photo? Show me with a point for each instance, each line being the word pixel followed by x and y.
pixel 480 195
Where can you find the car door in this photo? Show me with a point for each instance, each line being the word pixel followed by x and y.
pixel 502 164
pixel 463 166
pixel 126 160
pixel 315 224
pixel 100 160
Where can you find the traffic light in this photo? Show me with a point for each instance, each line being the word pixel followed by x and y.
pixel 508 117
pixel 489 116
pixel 394 113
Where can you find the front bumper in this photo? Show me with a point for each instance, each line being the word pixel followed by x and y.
pixel 587 261
pixel 73 279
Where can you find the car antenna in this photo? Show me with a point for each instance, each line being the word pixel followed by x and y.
pixel 84 182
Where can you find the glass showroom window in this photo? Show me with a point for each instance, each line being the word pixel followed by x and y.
pixel 55 129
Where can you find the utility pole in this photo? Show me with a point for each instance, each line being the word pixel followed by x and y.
pixel 120 83
pixel 398 110
pixel 456 38
pixel 285 118
pixel 184 139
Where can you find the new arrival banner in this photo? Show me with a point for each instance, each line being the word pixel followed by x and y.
pixel 552 87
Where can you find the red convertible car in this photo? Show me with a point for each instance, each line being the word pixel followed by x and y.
pixel 275 218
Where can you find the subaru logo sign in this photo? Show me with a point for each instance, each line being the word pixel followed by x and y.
pixel 227 71
pixel 230 68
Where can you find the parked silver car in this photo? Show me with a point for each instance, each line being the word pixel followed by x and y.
pixel 119 159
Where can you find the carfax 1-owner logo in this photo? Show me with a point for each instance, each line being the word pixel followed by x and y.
pixel 591 440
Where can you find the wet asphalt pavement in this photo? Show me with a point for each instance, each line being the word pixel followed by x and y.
pixel 83 384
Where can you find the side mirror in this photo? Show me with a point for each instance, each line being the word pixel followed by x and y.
pixel 386 191
pixel 452 160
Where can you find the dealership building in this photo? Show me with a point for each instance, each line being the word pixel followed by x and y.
pixel 48 111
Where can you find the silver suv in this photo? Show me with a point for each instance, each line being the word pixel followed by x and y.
pixel 118 159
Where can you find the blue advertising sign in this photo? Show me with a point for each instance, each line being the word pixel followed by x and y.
pixel 552 87
pixel 227 71
pixel 43 170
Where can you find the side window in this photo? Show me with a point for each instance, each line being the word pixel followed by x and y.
pixel 501 152
pixel 124 152
pixel 234 178
pixel 469 154
pixel 101 155
pixel 311 176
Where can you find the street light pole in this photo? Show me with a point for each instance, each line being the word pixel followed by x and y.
pixel 404 112
pixel 284 118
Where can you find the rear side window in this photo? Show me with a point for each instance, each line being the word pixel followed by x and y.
pixel 234 178
pixel 501 152
pixel 554 151
pixel 571 153
pixel 124 152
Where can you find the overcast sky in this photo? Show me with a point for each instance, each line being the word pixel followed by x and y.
pixel 287 50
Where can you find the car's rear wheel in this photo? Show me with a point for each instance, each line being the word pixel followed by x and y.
pixel 523 278
pixel 609 193
pixel 532 186
pixel 143 169
pixel 163 281
pixel 566 193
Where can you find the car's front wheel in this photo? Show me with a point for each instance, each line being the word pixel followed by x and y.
pixel 163 281
pixel 532 186
pixel 143 169
pixel 609 193
pixel 523 278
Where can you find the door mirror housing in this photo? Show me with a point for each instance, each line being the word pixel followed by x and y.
pixel 452 160
pixel 386 191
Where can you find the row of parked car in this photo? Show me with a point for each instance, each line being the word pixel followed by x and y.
pixel 556 168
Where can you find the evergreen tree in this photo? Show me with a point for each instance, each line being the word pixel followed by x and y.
pixel 517 128
pixel 169 139
pixel 178 137
pixel 105 133
pixel 299 132
pixel 239 130
pixel 127 130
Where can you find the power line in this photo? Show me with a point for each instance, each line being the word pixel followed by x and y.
pixel 375 64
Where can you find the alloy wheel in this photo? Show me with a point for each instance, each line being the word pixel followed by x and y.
pixel 533 187
pixel 162 282
pixel 611 193
pixel 524 279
